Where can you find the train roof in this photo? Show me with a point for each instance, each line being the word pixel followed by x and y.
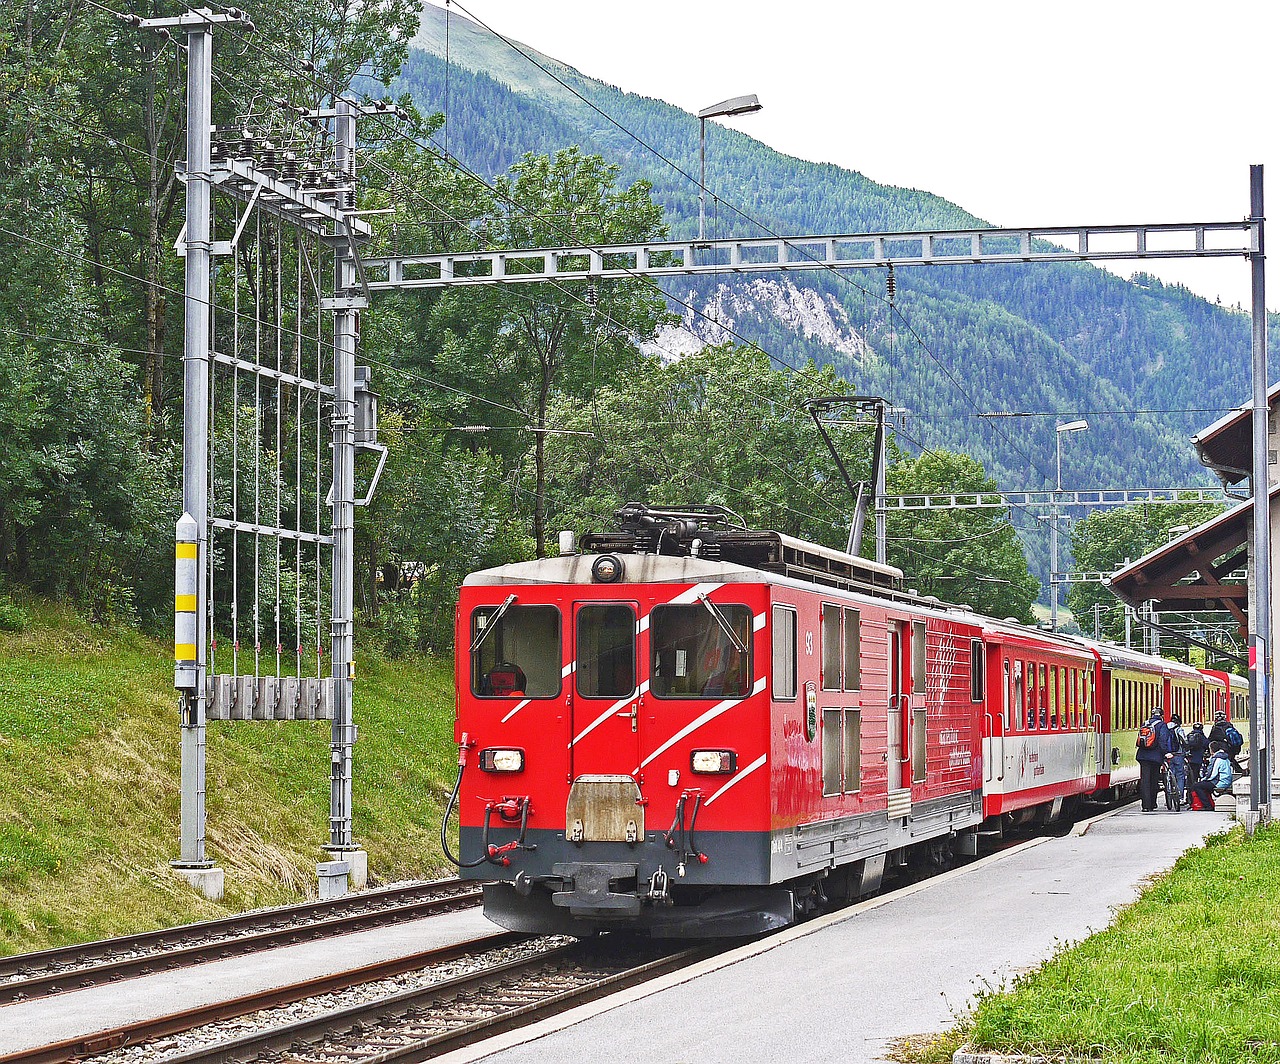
pixel 714 533
pixel 1118 657
pixel 670 545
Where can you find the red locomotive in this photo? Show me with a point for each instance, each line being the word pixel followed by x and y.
pixel 694 730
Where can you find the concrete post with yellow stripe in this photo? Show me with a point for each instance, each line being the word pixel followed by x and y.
pixel 185 609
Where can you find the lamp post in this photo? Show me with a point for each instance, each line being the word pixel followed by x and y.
pixel 739 105
pixel 1070 426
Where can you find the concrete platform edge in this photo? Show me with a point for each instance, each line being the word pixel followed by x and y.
pixel 542 1028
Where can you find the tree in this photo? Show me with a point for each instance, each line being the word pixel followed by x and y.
pixel 526 346
pixel 970 556
pixel 718 427
pixel 77 502
pixel 1108 539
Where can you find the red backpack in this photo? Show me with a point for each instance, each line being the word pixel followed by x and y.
pixel 1147 734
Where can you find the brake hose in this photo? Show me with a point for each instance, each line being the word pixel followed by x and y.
pixel 448 812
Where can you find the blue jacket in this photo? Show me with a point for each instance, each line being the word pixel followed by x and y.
pixel 1219 772
pixel 1163 746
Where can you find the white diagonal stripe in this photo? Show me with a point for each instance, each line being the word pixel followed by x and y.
pixel 519 706
pixel 644 688
pixel 709 715
pixel 739 777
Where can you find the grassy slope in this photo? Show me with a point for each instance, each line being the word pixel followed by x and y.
pixel 89 777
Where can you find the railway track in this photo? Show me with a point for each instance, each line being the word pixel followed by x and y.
pixel 406 1009
pixel 33 975
pixel 445 1011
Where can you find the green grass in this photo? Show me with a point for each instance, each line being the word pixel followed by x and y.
pixel 89 785
pixel 1188 974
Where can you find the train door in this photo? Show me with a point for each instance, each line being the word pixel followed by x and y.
pixel 897 706
pixel 998 716
pixel 915 725
pixel 605 689
pixel 1093 706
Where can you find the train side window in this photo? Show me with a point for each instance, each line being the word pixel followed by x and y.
pixel 606 650
pixel 692 656
pixel 831 678
pixel 852 650
pixel 517 652
pixel 1009 696
pixel 832 754
pixel 977 671
pixel 853 749
pixel 1044 695
pixel 1029 694
pixel 918 634
pixel 919 748
pixel 1054 707
pixel 784 652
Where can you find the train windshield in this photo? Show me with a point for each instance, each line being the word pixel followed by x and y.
pixel 700 651
pixel 515 651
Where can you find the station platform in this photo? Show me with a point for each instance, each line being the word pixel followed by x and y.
pixel 842 988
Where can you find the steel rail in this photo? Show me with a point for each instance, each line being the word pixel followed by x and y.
pixel 74 1049
pixel 97 962
pixel 341 1031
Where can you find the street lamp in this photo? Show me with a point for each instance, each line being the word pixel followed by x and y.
pixel 1070 426
pixel 739 105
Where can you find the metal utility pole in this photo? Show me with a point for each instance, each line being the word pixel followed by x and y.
pixel 859 490
pixel 1061 430
pixel 1260 719
pixel 346 307
pixel 195 440
pixel 1097 621
pixel 192 546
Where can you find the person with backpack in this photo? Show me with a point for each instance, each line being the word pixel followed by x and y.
pixel 1177 756
pixel 1196 745
pixel 1229 736
pixel 1153 750
pixel 1218 778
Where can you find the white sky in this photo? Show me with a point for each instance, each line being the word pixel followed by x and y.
pixel 1035 112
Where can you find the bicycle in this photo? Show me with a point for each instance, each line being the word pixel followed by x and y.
pixel 1172 795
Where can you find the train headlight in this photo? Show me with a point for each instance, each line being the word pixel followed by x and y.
pixel 607 569
pixel 500 759
pixel 714 762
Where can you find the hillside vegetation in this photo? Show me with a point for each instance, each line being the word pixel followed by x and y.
pixel 89 791
pixel 960 340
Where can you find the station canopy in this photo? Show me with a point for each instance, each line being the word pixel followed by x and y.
pixel 1205 568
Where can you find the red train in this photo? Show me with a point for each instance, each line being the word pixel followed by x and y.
pixel 694 730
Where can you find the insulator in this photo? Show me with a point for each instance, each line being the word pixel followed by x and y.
pixel 593 295
pixel 891 286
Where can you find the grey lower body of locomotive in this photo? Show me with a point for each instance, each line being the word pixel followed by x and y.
pixel 753 882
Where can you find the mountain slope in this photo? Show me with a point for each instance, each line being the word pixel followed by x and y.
pixel 1048 338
